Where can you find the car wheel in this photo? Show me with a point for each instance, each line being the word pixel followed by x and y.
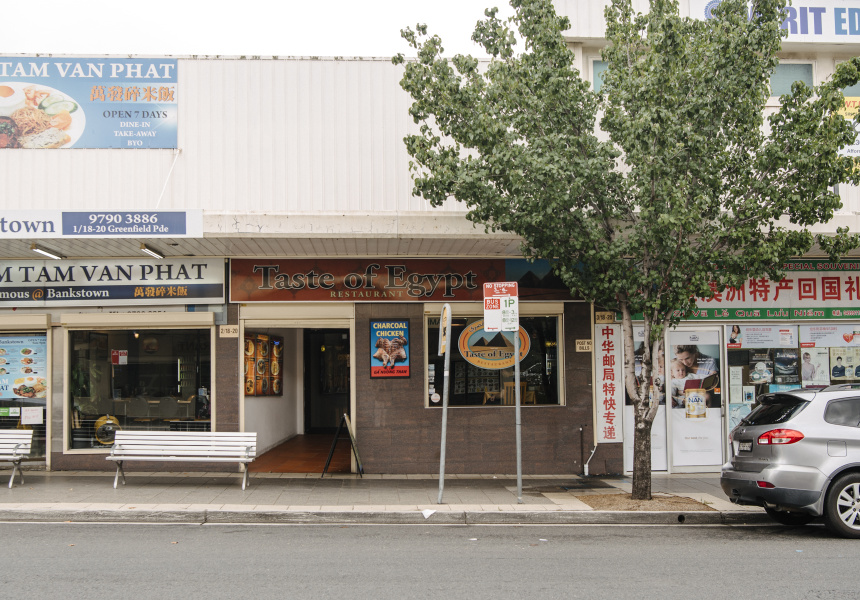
pixel 792 519
pixel 842 507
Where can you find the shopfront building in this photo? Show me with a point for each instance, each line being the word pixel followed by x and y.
pixel 361 337
pixel 89 347
pixel 764 337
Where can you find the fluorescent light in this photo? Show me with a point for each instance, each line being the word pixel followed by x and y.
pixel 46 252
pixel 153 253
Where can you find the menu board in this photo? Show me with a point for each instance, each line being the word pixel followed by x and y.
pixel 264 362
pixel 23 366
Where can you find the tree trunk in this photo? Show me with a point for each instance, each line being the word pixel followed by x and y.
pixel 641 461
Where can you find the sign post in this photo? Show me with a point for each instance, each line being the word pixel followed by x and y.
pixel 501 313
pixel 444 349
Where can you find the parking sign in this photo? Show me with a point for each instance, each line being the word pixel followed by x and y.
pixel 501 307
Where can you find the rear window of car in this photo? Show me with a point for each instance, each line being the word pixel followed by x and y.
pixel 775 409
pixel 843 412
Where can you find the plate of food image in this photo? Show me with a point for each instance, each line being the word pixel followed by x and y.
pixel 31 387
pixel 41 116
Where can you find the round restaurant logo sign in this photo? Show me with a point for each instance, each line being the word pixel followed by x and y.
pixel 491 350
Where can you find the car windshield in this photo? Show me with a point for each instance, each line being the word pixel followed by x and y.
pixel 775 409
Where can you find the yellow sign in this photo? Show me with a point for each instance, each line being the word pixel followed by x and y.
pixel 584 346
pixel 604 317
pixel 491 350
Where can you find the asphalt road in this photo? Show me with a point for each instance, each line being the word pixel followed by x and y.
pixel 106 561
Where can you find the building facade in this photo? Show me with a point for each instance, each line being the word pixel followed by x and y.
pixel 236 247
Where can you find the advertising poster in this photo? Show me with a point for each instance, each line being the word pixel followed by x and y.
pixel 659 454
pixel 23 367
pixel 814 367
pixel 834 335
pixel 785 365
pixel 842 365
pixel 102 102
pixel 761 336
pixel 696 398
pixel 389 348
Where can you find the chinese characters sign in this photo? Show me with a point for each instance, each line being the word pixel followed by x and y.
pixel 104 282
pixel 610 383
pixel 63 102
pixel 811 289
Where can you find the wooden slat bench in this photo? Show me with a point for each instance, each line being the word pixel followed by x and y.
pixel 194 446
pixel 15 445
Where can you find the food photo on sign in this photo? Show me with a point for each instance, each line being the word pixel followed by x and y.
pixel 389 348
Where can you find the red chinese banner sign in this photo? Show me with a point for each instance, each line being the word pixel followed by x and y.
pixel 610 383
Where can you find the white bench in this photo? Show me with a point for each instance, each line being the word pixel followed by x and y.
pixel 195 446
pixel 15 445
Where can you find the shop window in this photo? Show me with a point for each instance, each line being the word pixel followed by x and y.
pixel 137 379
pixel 24 385
pixel 482 369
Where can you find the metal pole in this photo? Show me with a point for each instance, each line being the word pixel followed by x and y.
pixel 518 421
pixel 446 310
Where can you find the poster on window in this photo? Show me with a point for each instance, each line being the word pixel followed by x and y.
pixel 389 348
pixel 761 336
pixel 815 367
pixel 659 455
pixel 23 366
pixel 696 398
pixel 843 365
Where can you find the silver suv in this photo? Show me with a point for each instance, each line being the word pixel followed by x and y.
pixel 797 454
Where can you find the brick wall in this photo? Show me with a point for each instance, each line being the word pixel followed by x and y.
pixel 397 434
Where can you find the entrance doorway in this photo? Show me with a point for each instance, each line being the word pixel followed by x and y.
pixel 327 379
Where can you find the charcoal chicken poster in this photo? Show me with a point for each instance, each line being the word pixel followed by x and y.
pixel 389 348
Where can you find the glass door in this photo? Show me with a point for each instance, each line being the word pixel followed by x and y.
pixel 327 378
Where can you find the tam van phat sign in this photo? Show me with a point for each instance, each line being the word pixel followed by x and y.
pixel 50 224
pixel 26 284
pixel 822 21
pixel 65 102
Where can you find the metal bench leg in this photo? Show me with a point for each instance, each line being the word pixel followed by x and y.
pixel 16 466
pixel 119 473
pixel 245 478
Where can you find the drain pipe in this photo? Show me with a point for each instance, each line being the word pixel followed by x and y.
pixel 585 466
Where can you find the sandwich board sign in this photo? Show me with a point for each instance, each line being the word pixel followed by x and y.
pixel 501 307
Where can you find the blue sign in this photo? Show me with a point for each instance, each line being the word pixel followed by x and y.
pixel 88 102
pixel 102 224
pixel 49 224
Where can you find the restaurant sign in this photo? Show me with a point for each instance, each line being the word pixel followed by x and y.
pixel 388 280
pixel 25 284
pixel 65 102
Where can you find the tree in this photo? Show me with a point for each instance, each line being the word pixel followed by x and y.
pixel 686 188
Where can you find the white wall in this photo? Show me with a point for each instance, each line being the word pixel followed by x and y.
pixel 277 418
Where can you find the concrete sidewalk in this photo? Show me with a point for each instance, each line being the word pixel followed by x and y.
pixel 195 497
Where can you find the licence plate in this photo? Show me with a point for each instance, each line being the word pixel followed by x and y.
pixel 744 446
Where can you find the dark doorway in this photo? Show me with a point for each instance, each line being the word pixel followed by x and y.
pixel 327 379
